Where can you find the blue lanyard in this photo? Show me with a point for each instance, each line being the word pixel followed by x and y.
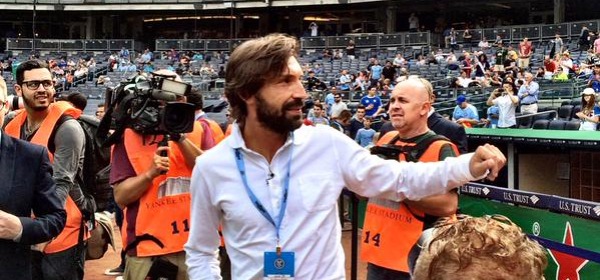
pixel 239 158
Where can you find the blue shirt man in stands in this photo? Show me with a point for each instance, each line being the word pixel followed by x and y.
pixel 464 113
pixel 493 114
pixel 124 53
pixel 372 103
pixel 329 100
pixel 528 95
pixel 376 72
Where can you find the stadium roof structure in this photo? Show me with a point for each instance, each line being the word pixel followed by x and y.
pixel 120 5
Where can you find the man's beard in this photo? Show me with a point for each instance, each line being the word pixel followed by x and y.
pixel 275 120
pixel 30 103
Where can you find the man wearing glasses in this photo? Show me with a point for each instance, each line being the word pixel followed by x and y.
pixel 27 187
pixel 338 106
pixel 54 126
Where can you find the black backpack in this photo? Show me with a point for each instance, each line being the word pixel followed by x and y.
pixel 94 178
pixel 96 165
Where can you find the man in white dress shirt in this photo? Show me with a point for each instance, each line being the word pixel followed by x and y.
pixel 276 205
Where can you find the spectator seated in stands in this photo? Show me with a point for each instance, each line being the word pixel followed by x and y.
pixel 453 63
pixel 540 73
pixel 464 81
pixel 198 57
pixel 361 83
pixel 421 61
pixel 311 81
pixel 588 116
pixel 148 67
pixel 594 79
pixel 566 63
pixel 489 247
pixel 464 113
pixel 345 81
pixel 510 63
pixel 399 61
pixel 483 44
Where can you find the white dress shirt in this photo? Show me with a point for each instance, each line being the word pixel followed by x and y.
pixel 323 162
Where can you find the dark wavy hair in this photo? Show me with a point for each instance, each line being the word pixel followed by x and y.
pixel 29 65
pixel 254 63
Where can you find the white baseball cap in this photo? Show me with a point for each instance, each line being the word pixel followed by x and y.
pixel 588 91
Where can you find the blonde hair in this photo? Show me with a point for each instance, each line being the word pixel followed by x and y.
pixel 489 247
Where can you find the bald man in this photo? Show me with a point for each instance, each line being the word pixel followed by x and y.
pixel 441 126
pixel 392 228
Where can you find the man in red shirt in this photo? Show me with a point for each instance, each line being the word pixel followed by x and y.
pixel 550 65
pixel 524 53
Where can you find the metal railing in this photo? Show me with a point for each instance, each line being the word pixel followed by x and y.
pixel 71 45
pixel 535 32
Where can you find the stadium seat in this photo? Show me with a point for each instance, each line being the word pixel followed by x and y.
pixel 572 125
pixel 576 110
pixel 547 115
pixel 575 102
pixel 557 124
pixel 524 121
pixel 565 112
pixel 540 124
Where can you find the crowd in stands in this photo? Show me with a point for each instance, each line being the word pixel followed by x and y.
pixel 524 67
pixel 483 66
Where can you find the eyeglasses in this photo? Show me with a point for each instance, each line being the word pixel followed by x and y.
pixel 33 85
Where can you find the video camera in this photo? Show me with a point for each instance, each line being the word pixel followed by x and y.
pixel 149 106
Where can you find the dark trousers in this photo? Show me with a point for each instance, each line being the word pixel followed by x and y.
pixel 375 272
pixel 65 265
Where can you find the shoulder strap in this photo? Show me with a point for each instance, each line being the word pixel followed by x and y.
pixel 61 120
pixel 417 150
pixel 414 152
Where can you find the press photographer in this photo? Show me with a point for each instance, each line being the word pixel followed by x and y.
pixel 151 181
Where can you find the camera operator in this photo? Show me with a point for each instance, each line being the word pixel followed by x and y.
pixel 507 102
pixel 151 183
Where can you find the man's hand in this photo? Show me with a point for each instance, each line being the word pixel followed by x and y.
pixel 10 226
pixel 39 247
pixel 159 163
pixel 487 158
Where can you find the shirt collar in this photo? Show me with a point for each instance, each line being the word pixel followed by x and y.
pixel 237 141
pixel 200 115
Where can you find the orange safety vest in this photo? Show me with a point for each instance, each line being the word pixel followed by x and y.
pixel 161 222
pixel 69 236
pixel 391 228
